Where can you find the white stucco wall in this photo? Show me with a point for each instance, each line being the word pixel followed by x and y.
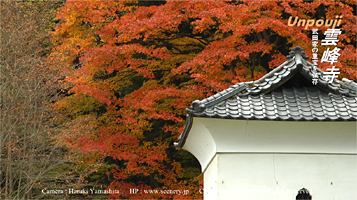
pixel 280 176
pixel 209 136
pixel 200 143
pixel 254 159
pixel 210 185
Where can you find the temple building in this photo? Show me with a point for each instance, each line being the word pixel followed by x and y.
pixel 280 137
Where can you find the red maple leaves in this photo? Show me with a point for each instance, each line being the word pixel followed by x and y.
pixel 145 62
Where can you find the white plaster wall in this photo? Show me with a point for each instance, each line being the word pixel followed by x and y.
pixel 281 176
pixel 282 136
pixel 208 136
pixel 200 143
pixel 253 159
pixel 210 178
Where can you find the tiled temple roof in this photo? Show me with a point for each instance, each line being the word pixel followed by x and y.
pixel 280 96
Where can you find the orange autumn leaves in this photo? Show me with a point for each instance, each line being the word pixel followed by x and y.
pixel 138 65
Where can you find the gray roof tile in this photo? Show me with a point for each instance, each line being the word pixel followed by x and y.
pixel 268 98
pixel 288 104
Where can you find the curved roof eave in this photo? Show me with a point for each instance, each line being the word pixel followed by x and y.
pixel 296 63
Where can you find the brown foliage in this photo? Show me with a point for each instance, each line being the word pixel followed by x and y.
pixel 27 152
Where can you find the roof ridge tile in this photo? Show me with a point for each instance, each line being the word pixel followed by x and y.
pixel 262 100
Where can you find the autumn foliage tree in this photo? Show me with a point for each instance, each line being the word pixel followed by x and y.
pixel 28 153
pixel 133 67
